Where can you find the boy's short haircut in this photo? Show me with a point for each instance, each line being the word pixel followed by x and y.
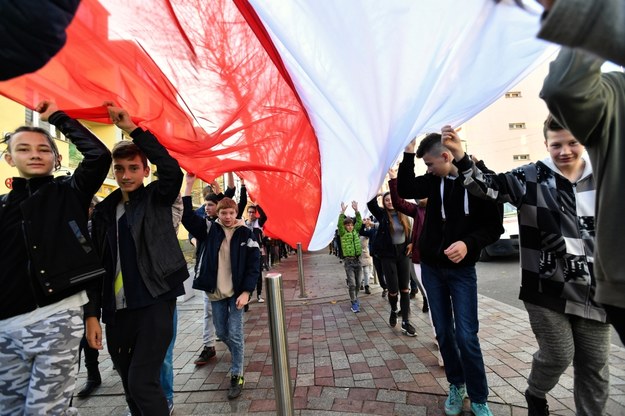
pixel 348 220
pixel 227 203
pixel 55 150
pixel 431 144
pixel 212 198
pixel 128 150
pixel 252 207
pixel 551 124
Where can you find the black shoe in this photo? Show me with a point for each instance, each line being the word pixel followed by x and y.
pixel 206 354
pixel 426 307
pixel 246 308
pixel 536 406
pixel 392 320
pixel 367 290
pixel 384 292
pixel 236 387
pixel 89 387
pixel 408 329
pixel 413 293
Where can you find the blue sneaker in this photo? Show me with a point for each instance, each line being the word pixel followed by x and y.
pixel 480 409
pixel 355 306
pixel 453 404
pixel 170 406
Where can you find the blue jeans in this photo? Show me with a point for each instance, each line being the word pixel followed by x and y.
pixel 167 369
pixel 228 322
pixel 456 289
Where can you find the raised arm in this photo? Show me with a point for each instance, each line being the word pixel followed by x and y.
pixel 197 226
pixel 596 26
pixel 170 175
pixel 358 223
pixel 485 184
pixel 375 209
pixel 230 188
pixel 410 186
pixel 340 225
pixel 579 96
pixel 399 203
pixel 262 217
pixel 92 170
pixel 242 199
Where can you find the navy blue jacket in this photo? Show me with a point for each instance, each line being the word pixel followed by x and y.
pixel 244 253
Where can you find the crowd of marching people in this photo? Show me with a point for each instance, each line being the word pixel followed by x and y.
pixel 427 231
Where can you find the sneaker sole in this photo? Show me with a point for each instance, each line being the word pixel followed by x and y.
pixel 408 334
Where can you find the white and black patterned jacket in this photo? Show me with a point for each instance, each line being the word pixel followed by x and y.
pixel 556 230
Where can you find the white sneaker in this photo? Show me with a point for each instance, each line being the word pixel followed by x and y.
pixel 261 300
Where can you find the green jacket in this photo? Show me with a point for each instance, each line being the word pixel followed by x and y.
pixel 350 242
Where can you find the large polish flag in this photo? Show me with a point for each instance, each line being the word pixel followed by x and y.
pixel 310 101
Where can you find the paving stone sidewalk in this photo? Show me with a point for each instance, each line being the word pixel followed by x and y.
pixel 344 363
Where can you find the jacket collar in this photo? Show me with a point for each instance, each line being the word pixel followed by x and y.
pixel 30 185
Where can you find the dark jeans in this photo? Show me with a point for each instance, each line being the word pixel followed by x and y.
pixel 452 295
pixel 377 263
pixel 91 354
pixel 137 342
pixel 397 270
pixel 259 282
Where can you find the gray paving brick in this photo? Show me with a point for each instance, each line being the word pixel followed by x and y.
pixel 361 352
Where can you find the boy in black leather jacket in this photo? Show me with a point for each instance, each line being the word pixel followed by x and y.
pixel 134 235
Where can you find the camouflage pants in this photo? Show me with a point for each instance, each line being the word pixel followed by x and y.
pixel 38 365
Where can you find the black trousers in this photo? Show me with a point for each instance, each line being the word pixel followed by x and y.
pixel 137 341
pixel 91 354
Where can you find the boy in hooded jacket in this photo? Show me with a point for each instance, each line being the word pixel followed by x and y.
pixel 227 270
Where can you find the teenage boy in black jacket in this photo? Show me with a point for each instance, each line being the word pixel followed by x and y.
pixel 47 262
pixel 134 235
pixel 457 226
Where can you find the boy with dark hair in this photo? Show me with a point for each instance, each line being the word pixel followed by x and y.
pixel 349 237
pixel 135 237
pixel 255 222
pixel 48 262
pixel 555 199
pixel 457 226
pixel 228 267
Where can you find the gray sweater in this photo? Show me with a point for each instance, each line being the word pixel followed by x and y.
pixel 592 106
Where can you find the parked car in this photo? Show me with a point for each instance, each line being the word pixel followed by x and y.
pixel 508 243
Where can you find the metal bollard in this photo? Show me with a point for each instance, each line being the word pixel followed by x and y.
pixel 279 344
pixel 300 268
